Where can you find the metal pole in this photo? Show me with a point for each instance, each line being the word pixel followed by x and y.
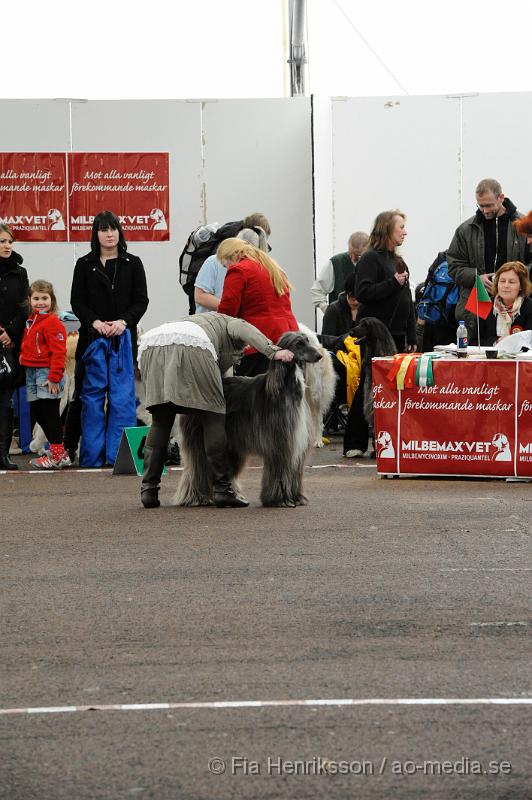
pixel 298 48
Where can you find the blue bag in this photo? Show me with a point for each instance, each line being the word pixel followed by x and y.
pixel 439 297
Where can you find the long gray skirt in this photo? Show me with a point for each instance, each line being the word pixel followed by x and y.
pixel 184 375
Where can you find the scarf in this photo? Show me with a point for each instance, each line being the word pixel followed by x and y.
pixel 505 316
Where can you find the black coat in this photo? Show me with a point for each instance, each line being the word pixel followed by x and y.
pixel 382 296
pixel 93 297
pixel 338 318
pixel 14 287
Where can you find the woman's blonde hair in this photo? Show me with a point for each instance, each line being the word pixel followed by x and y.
pixel 7 229
pixel 525 287
pixel 234 250
pixel 44 287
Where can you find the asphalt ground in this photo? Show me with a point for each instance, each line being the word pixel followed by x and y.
pixel 377 590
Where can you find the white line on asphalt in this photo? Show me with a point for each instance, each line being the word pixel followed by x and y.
pixel 497 624
pixel 486 569
pixel 223 704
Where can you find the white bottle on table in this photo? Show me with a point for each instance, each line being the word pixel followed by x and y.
pixel 461 340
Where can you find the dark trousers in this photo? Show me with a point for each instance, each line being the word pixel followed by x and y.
pixel 400 342
pixel 46 414
pixel 357 433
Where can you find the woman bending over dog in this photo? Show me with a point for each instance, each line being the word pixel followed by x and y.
pixel 182 364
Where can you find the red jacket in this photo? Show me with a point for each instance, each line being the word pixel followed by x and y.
pixel 249 294
pixel 44 345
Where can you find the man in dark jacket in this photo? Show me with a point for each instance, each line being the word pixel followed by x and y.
pixel 482 244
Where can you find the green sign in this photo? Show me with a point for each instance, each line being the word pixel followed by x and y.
pixel 130 456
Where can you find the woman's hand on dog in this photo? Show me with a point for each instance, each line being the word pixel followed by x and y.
pixel 283 355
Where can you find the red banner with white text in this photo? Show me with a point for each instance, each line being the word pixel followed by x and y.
pixel 475 420
pixel 134 186
pixel 33 196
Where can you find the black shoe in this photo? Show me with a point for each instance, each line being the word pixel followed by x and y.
pixel 6 463
pixel 228 498
pixel 150 497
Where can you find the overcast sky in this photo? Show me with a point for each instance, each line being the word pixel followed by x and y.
pixel 237 48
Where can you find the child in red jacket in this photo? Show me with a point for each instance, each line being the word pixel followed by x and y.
pixel 43 353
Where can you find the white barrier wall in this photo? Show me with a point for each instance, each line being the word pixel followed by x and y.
pixel 227 159
pixel 425 155
pixel 317 170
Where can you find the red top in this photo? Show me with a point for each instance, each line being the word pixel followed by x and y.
pixel 44 345
pixel 249 294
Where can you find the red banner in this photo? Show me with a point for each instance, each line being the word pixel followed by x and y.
pixel 134 186
pixel 475 420
pixel 33 196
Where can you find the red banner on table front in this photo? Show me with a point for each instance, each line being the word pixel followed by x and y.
pixel 475 420
pixel 33 196
pixel 524 419
pixel 134 186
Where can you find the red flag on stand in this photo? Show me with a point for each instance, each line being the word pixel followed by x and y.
pixel 479 301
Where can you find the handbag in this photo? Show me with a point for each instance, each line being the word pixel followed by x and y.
pixel 12 374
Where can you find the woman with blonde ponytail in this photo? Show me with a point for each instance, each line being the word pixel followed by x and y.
pixel 257 290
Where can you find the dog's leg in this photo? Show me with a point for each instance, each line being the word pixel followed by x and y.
pixel 297 483
pixel 277 485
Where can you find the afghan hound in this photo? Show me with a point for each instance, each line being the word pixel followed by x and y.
pixel 320 382
pixel 268 416
pixel 376 341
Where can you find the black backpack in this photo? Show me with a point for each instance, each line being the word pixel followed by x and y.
pixel 202 243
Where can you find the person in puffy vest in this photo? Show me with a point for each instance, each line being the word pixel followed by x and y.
pixel 331 279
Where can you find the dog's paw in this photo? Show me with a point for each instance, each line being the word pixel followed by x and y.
pixel 319 442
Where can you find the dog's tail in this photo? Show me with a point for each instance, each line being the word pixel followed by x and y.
pixel 194 488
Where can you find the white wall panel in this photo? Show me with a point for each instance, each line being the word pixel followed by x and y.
pixel 152 126
pixel 231 157
pixel 258 158
pixel 397 153
pixel 34 126
pixel 497 132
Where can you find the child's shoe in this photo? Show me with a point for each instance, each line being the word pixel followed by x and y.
pixel 44 462
pixel 64 461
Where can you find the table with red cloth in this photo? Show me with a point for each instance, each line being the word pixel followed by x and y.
pixel 475 420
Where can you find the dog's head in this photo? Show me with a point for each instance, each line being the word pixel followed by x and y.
pixel 300 345
pixel 376 335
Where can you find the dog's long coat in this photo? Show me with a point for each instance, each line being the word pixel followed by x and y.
pixel 377 342
pixel 267 416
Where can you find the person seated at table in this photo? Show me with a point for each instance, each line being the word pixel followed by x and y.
pixel 512 305
pixel 341 314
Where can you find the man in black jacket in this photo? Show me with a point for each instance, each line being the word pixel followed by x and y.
pixel 482 244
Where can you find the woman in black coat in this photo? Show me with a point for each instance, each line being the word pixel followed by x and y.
pixel 109 292
pixel 14 287
pixel 382 286
pixel 108 295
